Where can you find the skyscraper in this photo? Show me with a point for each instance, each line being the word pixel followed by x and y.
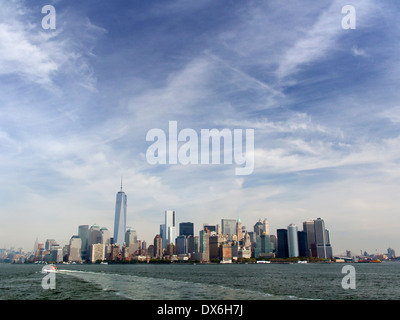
pixel 162 235
pixel 158 250
pixel 181 244
pixel 104 236
pixel 266 226
pixel 229 227
pixel 170 229
pixel 239 229
pixel 204 238
pixel 186 229
pixel 282 251
pixel 261 227
pixel 83 233
pixel 131 237
pixel 293 244
pixel 308 227
pixel 75 249
pixel 263 246
pixel 131 240
pixel 120 217
pixel 94 232
pixel 303 245
pixel 322 244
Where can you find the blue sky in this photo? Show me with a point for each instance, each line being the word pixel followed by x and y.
pixel 76 104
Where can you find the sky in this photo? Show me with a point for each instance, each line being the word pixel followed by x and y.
pixel 77 101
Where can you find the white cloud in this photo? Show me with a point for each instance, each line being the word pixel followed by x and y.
pixel 20 56
pixel 358 52
pixel 38 56
pixel 320 40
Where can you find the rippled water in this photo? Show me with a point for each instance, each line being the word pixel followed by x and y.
pixel 202 282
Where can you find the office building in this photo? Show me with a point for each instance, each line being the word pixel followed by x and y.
pixel 131 241
pixel 322 243
pixel 75 245
pixel 162 235
pixel 229 227
pixel 303 244
pixel 56 255
pixel 94 233
pixel 181 246
pixel 83 234
pixel 190 244
pixel 261 227
pixel 239 229
pixel 204 244
pixel 131 237
pixel 308 228
pixel 283 250
pixel 258 228
pixel 263 246
pixel 97 252
pixel 266 226
pixel 170 228
pixel 274 241
pixel 170 251
pixel 104 236
pixel 158 247
pixel 120 217
pixel 293 244
pixel 115 252
pixel 225 253
pixel 50 243
pixel 214 242
pixel 186 229
pixel 211 228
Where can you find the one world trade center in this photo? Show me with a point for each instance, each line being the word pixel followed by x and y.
pixel 120 218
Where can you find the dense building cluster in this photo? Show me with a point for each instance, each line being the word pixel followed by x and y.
pixel 225 242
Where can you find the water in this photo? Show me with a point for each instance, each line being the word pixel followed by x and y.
pixel 201 282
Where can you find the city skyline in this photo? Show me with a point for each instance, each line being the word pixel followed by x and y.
pixel 169 218
pixel 77 101
pixel 228 226
pixel 225 242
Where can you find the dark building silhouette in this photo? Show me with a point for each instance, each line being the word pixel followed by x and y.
pixel 186 229
pixel 283 248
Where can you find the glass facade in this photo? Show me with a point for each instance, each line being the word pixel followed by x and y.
pixel 120 218
pixel 293 244
pixel 186 229
pixel 170 228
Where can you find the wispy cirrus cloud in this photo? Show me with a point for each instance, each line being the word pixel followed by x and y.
pixel 39 56
pixel 320 40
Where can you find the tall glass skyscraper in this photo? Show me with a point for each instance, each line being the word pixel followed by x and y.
pixel 293 244
pixel 229 227
pixel 83 233
pixel 186 229
pixel 120 218
pixel 308 227
pixel 323 246
pixel 283 251
pixel 170 228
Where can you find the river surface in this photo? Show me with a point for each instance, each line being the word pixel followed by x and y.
pixel 201 282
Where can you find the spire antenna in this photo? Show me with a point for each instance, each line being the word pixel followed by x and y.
pixel 121 183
